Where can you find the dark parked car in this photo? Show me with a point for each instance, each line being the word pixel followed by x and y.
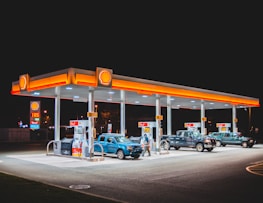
pixel 230 138
pixel 188 138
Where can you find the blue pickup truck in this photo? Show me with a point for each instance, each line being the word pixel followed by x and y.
pixel 117 144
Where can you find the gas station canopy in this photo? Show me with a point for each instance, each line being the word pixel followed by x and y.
pixel 74 84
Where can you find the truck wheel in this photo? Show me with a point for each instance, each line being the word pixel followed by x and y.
pixel 218 143
pixel 166 146
pixel 120 154
pixel 244 144
pixel 200 147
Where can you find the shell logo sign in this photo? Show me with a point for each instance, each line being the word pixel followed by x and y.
pixel 104 77
pixel 35 105
pixel 23 81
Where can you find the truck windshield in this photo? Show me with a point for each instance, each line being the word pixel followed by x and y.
pixel 122 139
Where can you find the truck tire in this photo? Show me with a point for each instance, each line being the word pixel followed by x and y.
pixel 165 145
pixel 120 154
pixel 244 144
pixel 218 143
pixel 200 147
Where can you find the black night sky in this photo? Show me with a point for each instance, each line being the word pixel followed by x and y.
pixel 217 50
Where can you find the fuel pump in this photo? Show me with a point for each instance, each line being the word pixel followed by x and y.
pixel 79 143
pixel 147 128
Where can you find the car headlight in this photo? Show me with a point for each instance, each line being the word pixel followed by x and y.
pixel 129 148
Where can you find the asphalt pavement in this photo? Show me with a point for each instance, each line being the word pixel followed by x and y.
pixel 132 180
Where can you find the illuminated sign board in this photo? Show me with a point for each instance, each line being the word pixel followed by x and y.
pixel 147 130
pixel 23 81
pixel 34 126
pixel 192 125
pixel 104 77
pixel 221 125
pixel 74 123
pixel 143 124
pixel 79 123
pixel 159 117
pixel 92 114
pixel 35 115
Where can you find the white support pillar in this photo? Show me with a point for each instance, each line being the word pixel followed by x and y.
pixel 122 112
pixel 91 121
pixel 234 118
pixel 57 114
pixel 169 116
pixel 158 123
pixel 203 130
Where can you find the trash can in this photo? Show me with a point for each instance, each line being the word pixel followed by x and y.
pixel 66 146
